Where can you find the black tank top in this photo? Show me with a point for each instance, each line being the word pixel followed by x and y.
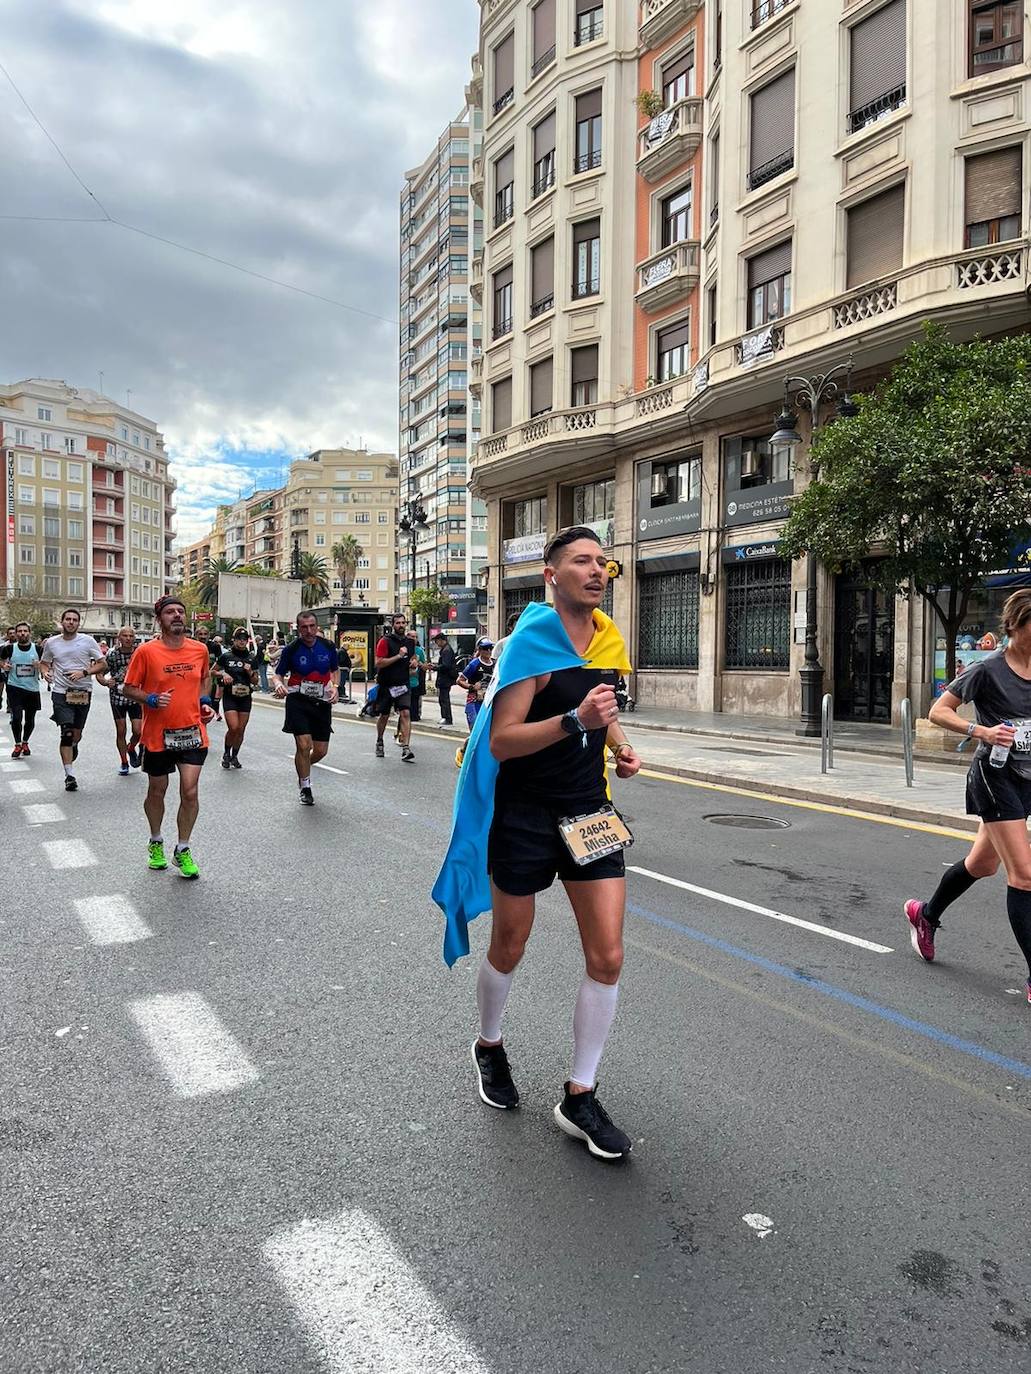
pixel 395 674
pixel 566 777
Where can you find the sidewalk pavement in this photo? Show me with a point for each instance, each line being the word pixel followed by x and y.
pixel 762 754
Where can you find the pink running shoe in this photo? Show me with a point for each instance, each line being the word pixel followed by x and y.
pixel 922 935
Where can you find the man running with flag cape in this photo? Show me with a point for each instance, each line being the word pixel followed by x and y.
pixel 533 804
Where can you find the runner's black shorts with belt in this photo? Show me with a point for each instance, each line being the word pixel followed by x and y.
pixel 307 716
pixel 526 853
pixel 997 794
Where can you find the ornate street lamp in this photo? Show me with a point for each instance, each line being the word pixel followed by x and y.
pixel 413 519
pixel 812 393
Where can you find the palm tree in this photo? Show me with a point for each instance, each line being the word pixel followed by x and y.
pixel 207 583
pixel 345 554
pixel 314 575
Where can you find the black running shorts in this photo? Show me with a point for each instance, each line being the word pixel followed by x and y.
pixel 307 717
pixel 65 713
pixel 240 704
pixel 525 853
pixel 123 709
pixel 384 701
pixel 997 794
pixel 161 763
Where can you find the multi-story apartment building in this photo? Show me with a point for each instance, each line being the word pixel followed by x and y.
pixel 195 558
pixel 89 503
pixel 812 182
pixel 266 545
pixel 440 328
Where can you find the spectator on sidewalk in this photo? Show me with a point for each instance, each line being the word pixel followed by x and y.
pixel 346 664
pixel 447 676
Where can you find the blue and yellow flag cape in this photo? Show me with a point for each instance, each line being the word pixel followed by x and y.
pixel 538 645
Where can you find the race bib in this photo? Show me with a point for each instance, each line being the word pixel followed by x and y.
pixel 316 690
pixel 592 837
pixel 396 692
pixel 187 737
pixel 24 670
pixel 1022 739
pixel 76 697
pixel 240 689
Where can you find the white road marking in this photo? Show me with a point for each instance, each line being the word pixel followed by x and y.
pixel 362 1304
pixel 330 769
pixel 14 766
pixel 69 854
pixel 764 911
pixel 760 1224
pixel 199 1056
pixel 23 786
pixel 111 920
pixel 60 1034
pixel 43 813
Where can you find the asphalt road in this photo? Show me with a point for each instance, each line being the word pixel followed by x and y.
pixel 239 1131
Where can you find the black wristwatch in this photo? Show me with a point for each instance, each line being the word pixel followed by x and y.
pixel 573 725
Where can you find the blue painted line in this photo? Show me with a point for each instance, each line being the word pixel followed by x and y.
pixel 940 1037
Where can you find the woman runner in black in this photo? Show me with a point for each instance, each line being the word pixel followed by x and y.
pixel 999 687
pixel 239 673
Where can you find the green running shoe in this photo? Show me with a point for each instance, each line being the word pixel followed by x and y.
pixel 183 860
pixel 156 856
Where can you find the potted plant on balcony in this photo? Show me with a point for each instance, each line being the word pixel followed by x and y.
pixel 649 104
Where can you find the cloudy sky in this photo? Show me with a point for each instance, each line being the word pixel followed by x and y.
pixel 272 134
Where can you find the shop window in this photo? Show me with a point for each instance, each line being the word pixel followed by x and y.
pixel 758 614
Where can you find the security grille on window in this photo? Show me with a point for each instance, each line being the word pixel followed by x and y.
pixel 875 236
pixel 668 633
pixel 758 614
pixel 676 217
pixel 544 155
pixel 542 277
pixel 993 194
pixel 586 258
pixel 589 22
pixel 772 150
pixel 543 36
pixel 501 405
pixel 678 80
pixel 503 301
pixel 541 387
pixel 878 65
pixel 672 351
pixel 769 285
pixel 518 598
pixel 504 187
pixel 584 371
pixel 594 501
pixel 588 131
pixel 996 35
pixel 504 73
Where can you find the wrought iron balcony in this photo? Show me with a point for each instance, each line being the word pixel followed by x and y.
pixel 543 62
pixel 669 275
pixel 504 100
pixel 764 10
pixel 769 171
pixel 670 138
pixel 662 18
pixel 876 109
pixel 587 162
pixel 541 306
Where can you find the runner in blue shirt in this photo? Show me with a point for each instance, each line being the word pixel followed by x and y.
pixel 306 676
pixel 21 662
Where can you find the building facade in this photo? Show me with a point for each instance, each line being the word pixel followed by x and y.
pixel 89 504
pixel 811 182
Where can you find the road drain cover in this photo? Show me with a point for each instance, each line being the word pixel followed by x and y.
pixel 748 822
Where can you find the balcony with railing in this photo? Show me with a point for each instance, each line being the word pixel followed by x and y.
pixel 875 110
pixel 765 10
pixel 669 275
pixel 106 480
pixel 660 19
pixel 993 267
pixel 770 170
pixel 102 513
pixel 670 138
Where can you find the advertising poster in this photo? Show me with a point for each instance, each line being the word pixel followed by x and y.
pixel 971 648
pixel 356 642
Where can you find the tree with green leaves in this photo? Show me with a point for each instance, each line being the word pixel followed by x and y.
pixel 41 616
pixel 313 573
pixel 432 603
pixel 207 583
pixel 255 570
pixel 345 554
pixel 931 480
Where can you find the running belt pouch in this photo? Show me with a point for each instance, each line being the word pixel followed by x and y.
pixel 595 835
pixel 76 697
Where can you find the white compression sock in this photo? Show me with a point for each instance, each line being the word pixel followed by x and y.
pixel 491 995
pixel 592 1020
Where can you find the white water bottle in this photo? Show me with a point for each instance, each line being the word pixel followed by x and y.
pixel 1000 752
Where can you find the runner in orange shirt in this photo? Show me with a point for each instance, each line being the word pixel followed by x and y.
pixel 171 678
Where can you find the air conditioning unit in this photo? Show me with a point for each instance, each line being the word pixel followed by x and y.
pixel 751 462
pixel 659 483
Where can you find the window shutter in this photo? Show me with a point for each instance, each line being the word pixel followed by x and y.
pixel 504 66
pixel 542 270
pixel 588 105
pixel 501 405
pixel 875 236
pixel 680 67
pixel 502 278
pixel 878 54
pixel 585 364
pixel 586 230
pixel 504 170
pixel 544 137
pixel 586 6
pixel 541 386
pixel 543 28
pixel 993 185
pixel 773 121
pixel 764 267
pixel 674 337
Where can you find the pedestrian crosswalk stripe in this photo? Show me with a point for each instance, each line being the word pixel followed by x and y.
pixel 69 854
pixel 21 787
pixel 197 1053
pixel 362 1303
pixel 43 813
pixel 111 920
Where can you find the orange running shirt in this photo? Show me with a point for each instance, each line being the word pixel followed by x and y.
pixel 156 668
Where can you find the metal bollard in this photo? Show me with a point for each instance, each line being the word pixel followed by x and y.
pixel 827 733
pixel 907 739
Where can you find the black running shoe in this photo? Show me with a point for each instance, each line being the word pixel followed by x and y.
pixel 234 762
pixel 407 756
pixel 134 758
pixel 583 1117
pixel 494 1079
pixel 306 797
pixel 225 761
pixel 379 749
pixel 70 785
